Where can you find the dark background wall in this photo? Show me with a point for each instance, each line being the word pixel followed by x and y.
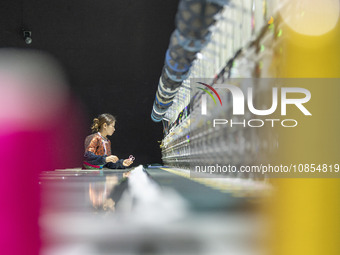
pixel 112 53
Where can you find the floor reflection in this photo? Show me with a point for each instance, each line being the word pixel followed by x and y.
pixel 126 212
pixel 104 195
pixel 82 190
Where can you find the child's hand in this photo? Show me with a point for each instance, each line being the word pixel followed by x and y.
pixel 127 162
pixel 112 159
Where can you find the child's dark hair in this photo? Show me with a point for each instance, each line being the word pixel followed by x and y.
pixel 102 118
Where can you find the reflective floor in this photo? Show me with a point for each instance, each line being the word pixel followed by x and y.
pixel 146 211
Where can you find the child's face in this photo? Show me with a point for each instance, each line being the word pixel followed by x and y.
pixel 110 129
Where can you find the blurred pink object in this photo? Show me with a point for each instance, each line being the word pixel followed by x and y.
pixel 40 129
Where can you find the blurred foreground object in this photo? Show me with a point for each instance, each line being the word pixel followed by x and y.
pixel 311 17
pixel 307 209
pixel 38 124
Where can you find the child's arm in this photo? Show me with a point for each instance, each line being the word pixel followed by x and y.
pixel 118 165
pixel 94 159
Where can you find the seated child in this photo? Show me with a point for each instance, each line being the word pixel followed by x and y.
pixel 98 146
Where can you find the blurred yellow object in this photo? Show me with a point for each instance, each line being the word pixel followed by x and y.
pixel 311 17
pixel 271 20
pixel 307 210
